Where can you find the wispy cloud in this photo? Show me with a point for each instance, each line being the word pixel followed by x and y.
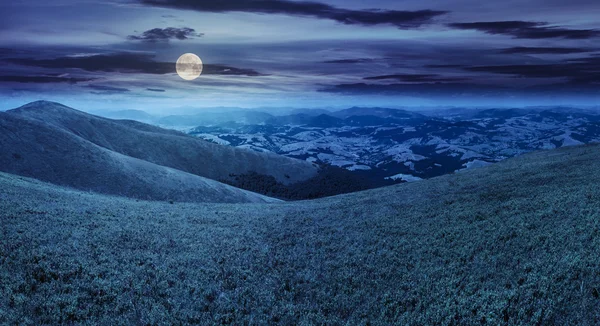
pixel 43 79
pixel 468 91
pixel 125 63
pixel 418 78
pixel 417 89
pixel 545 50
pixel 107 90
pixel 581 69
pixel 350 61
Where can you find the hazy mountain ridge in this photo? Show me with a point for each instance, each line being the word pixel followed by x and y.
pixel 138 115
pixel 213 118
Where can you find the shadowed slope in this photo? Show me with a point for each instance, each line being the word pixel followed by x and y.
pixel 166 147
pixel 516 243
pixel 36 149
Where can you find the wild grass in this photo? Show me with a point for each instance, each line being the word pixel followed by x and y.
pixel 517 243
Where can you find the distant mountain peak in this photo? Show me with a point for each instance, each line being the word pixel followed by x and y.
pixel 42 105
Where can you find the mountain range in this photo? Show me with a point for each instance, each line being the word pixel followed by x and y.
pixel 381 143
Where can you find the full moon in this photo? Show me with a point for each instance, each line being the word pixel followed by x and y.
pixel 189 66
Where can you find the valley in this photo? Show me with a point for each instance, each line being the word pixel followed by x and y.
pixel 384 143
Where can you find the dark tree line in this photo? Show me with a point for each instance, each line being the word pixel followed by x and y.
pixel 329 181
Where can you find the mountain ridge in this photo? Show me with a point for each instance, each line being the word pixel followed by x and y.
pixel 31 148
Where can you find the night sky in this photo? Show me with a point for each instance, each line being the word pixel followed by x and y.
pixel 121 54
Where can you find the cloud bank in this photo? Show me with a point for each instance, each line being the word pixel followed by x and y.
pixel 401 19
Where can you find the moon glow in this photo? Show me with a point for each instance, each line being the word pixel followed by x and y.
pixel 189 66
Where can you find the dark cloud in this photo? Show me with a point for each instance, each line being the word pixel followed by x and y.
pixel 165 34
pixel 118 62
pixel 588 70
pixel 350 61
pixel 229 71
pixel 12 51
pixel 544 50
pixel 419 78
pixel 592 62
pixel 125 63
pixel 106 90
pixel 156 90
pixel 528 30
pixel 444 66
pixel 401 19
pixel 43 79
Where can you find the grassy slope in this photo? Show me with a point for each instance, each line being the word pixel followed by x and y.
pixel 516 243
pixel 164 147
pixel 35 149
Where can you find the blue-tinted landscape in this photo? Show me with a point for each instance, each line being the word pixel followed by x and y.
pixel 283 162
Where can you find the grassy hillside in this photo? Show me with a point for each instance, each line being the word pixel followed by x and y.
pixel 515 243
pixel 164 147
pixel 36 149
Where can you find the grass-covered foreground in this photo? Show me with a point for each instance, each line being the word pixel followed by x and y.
pixel 514 243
